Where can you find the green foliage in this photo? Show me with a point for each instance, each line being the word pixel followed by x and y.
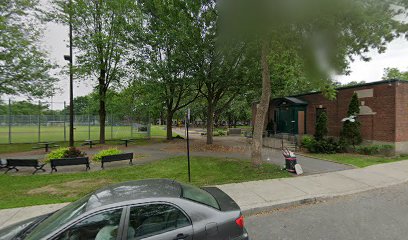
pixel 321 127
pixel 219 132
pixel 350 134
pixel 324 145
pixel 24 65
pixel 56 154
pixel 64 152
pixel 375 149
pixel 395 73
pixel 107 152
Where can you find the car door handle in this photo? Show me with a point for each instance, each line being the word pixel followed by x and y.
pixel 180 236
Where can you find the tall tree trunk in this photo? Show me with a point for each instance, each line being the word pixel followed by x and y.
pixel 262 107
pixel 169 125
pixel 102 107
pixel 210 122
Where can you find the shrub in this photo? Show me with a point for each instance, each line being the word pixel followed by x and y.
pixel 350 133
pixel 374 149
pixel 325 145
pixel 55 154
pixel 64 152
pixel 308 141
pixel 321 127
pixel 111 151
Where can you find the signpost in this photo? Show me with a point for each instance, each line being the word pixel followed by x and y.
pixel 188 144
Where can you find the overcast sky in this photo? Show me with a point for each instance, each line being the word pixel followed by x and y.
pixel 56 36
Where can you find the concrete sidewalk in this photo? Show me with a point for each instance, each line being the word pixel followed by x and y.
pixel 258 196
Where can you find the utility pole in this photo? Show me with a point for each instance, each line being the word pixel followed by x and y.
pixel 71 81
pixel 188 145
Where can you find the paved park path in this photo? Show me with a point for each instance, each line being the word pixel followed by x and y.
pixel 227 146
pixel 259 196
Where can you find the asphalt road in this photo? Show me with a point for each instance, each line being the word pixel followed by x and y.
pixel 380 214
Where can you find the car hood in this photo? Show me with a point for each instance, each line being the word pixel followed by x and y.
pixel 14 230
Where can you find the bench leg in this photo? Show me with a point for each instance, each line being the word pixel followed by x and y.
pixel 38 168
pixel 102 166
pixel 87 167
pixel 131 162
pixel 53 169
pixel 10 168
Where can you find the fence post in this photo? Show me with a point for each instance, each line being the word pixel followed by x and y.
pixel 89 122
pixel 9 121
pixel 39 121
pixel 111 126
pixel 65 128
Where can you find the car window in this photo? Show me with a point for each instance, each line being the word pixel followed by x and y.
pixel 153 219
pixel 102 226
pixel 59 218
pixel 199 195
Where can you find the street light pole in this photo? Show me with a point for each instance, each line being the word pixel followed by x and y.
pixel 71 81
pixel 188 145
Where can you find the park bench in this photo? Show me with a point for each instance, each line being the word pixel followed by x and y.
pixel 3 163
pixel 14 163
pixel 69 162
pixel 234 131
pixel 117 157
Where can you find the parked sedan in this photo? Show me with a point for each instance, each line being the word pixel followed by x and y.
pixel 153 209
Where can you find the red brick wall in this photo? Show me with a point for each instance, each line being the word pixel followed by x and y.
pixel 379 127
pixel 402 112
pixel 388 98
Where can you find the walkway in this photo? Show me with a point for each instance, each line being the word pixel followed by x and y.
pixel 258 196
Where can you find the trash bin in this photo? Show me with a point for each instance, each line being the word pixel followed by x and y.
pixel 290 160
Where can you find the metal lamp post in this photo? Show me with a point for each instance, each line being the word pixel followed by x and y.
pixel 71 84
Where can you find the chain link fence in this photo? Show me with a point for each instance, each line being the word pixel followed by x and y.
pixel 32 122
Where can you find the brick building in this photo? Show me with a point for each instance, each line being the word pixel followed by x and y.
pixel 383 112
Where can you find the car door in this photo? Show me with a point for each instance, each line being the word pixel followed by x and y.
pixel 103 225
pixel 158 221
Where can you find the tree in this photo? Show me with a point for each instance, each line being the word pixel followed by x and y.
pixel 24 68
pixel 395 73
pixel 326 35
pixel 321 127
pixel 165 54
pixel 98 36
pixel 350 134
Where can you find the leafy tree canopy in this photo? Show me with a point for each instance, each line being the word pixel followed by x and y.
pixel 24 67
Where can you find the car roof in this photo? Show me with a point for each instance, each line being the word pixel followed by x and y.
pixel 134 190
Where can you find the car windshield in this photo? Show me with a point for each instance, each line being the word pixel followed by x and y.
pixel 59 218
pixel 198 195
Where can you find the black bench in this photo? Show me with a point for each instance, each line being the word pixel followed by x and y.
pixel 14 163
pixel 3 164
pixel 117 157
pixel 69 162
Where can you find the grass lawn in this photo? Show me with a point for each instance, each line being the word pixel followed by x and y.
pixel 357 159
pixel 29 134
pixel 158 133
pixel 25 190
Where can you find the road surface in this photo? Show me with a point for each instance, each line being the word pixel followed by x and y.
pixel 380 214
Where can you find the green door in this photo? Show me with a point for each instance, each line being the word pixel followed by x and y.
pixel 288 119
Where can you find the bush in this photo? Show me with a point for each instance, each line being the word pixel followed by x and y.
pixel 64 152
pixel 350 133
pixel 321 127
pixel 325 145
pixel 219 133
pixel 111 151
pixel 375 149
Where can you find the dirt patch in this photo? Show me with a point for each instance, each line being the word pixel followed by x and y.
pixel 199 146
pixel 71 188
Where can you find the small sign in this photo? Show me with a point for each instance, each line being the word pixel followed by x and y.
pixel 188 114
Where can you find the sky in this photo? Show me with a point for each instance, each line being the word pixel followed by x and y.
pixel 55 41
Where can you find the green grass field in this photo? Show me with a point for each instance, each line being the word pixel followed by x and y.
pixel 19 190
pixel 29 134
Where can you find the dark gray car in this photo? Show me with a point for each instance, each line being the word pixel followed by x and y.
pixel 153 209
